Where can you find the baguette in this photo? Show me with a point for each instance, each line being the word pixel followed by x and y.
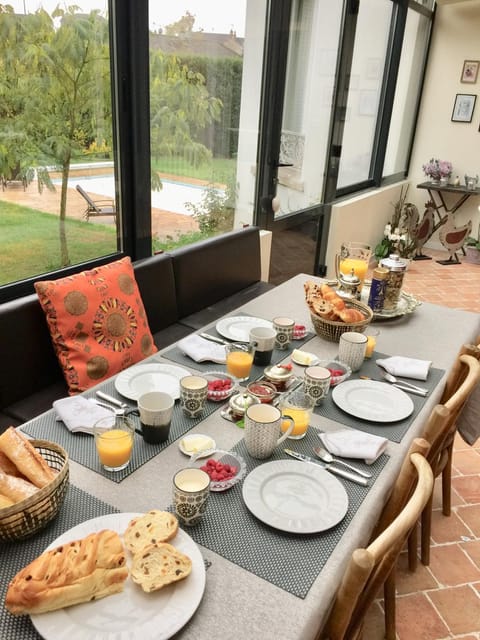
pixel 154 526
pixel 7 466
pixel 16 488
pixel 158 565
pixel 79 571
pixel 24 456
pixel 5 502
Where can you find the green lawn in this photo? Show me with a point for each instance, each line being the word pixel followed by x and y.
pixel 29 242
pixel 217 170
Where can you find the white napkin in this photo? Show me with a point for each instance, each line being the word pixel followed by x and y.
pixel 406 367
pixel 468 423
pixel 350 443
pixel 79 413
pixel 200 349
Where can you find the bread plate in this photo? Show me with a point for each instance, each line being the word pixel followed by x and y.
pixel 132 613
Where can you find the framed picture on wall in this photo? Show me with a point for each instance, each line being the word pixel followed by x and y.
pixel 470 71
pixel 463 107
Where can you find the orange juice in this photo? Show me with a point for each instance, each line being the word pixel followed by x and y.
pixel 114 447
pixel 239 363
pixel 359 266
pixel 371 342
pixel 301 418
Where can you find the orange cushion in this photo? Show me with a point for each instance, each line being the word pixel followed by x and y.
pixel 97 323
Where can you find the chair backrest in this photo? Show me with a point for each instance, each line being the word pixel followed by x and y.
pixel 369 568
pixel 85 195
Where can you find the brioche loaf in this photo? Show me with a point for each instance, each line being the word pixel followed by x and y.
pixel 78 571
pixel 154 526
pixel 25 457
pixel 16 488
pixel 323 301
pixel 158 565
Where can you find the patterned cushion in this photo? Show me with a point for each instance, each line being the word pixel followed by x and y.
pixel 97 323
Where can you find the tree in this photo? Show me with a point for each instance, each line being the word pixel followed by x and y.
pixel 184 25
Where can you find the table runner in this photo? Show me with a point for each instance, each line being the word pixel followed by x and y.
pixel 78 507
pixel 81 446
pixel 394 431
pixel 289 561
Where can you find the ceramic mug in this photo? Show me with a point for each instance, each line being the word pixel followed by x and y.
pixel 191 488
pixel 263 429
pixel 156 409
pixel 316 383
pixel 284 329
pixel 263 341
pixel 352 348
pixel 193 395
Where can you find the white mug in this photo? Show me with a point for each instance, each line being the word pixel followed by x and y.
pixel 263 428
pixel 352 348
pixel 155 408
pixel 263 340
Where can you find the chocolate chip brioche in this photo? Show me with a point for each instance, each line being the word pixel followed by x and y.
pixel 158 565
pixel 78 571
pixel 154 526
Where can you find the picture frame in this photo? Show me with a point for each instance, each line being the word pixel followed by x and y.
pixel 470 71
pixel 463 107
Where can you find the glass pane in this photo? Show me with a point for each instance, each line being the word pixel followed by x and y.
pixel 55 133
pixel 312 57
pixel 364 94
pixel 409 80
pixel 205 79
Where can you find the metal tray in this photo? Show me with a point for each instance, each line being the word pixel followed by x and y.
pixel 406 304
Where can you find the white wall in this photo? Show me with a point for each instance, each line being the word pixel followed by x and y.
pixel 456 37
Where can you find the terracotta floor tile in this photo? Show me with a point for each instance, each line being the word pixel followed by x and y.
pixel 437 496
pixel 468 487
pixel 447 529
pixel 413 581
pixel 471 516
pixel 451 567
pixel 467 462
pixel 459 607
pixel 472 549
pixel 417 619
pixel 374 626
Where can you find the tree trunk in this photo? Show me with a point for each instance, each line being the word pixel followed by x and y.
pixel 64 257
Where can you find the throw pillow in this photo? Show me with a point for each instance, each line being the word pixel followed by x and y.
pixel 97 323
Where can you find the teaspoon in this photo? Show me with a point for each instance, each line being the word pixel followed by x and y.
pixel 390 378
pixel 324 455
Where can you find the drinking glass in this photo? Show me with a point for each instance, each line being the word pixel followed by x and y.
pixel 114 441
pixel 299 407
pixel 240 360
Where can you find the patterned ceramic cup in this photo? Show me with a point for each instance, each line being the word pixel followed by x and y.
pixel 316 383
pixel 263 428
pixel 284 328
pixel 191 488
pixel 193 395
pixel 352 348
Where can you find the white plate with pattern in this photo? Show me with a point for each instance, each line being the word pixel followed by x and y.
pixel 237 328
pixel 296 497
pixel 155 376
pixel 131 614
pixel 372 400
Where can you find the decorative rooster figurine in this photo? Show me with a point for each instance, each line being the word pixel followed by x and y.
pixel 453 238
pixel 421 232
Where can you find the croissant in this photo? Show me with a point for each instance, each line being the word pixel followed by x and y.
pixel 351 315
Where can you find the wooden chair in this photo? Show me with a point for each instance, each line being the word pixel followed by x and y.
pixel 462 379
pixel 369 568
pixel 97 207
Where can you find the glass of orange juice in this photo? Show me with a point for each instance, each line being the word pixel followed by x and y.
pixel 114 441
pixel 240 360
pixel 299 407
pixel 356 256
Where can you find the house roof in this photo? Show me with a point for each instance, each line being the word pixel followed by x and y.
pixel 217 45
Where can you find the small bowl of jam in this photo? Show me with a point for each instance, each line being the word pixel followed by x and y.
pixel 264 391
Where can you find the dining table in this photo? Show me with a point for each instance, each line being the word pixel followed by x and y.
pixel 254 580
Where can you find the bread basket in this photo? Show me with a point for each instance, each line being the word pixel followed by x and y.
pixel 23 519
pixel 333 329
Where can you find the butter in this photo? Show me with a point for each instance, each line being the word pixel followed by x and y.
pixel 195 444
pixel 302 357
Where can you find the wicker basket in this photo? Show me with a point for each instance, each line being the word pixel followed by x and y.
pixel 25 518
pixel 332 330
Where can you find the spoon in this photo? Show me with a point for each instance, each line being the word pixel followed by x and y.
pixel 324 455
pixel 390 378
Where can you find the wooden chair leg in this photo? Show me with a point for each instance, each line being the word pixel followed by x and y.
pixel 412 549
pixel 389 593
pixel 426 532
pixel 447 483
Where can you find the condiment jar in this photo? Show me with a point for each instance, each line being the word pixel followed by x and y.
pixel 239 403
pixel 376 298
pixel 396 270
pixel 350 285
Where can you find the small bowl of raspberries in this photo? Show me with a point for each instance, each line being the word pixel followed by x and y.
pixel 225 468
pixel 339 371
pixel 221 385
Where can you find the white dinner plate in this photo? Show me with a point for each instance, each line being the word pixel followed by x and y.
pixel 372 400
pixel 131 614
pixel 294 496
pixel 237 328
pixel 142 378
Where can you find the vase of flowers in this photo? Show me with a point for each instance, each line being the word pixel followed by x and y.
pixel 396 234
pixel 437 170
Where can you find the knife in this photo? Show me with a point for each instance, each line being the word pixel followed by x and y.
pixel 111 399
pixel 207 336
pixel 416 392
pixel 348 475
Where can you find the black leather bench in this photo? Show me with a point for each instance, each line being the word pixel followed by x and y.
pixel 181 291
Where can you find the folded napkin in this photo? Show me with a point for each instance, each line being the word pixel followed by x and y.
pixel 79 413
pixel 468 423
pixel 350 443
pixel 406 367
pixel 200 349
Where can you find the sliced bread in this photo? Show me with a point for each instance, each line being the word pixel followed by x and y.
pixel 154 526
pixel 158 565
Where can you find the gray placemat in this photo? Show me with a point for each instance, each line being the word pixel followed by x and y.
pixel 393 431
pixel 81 446
pixel 78 507
pixel 289 561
